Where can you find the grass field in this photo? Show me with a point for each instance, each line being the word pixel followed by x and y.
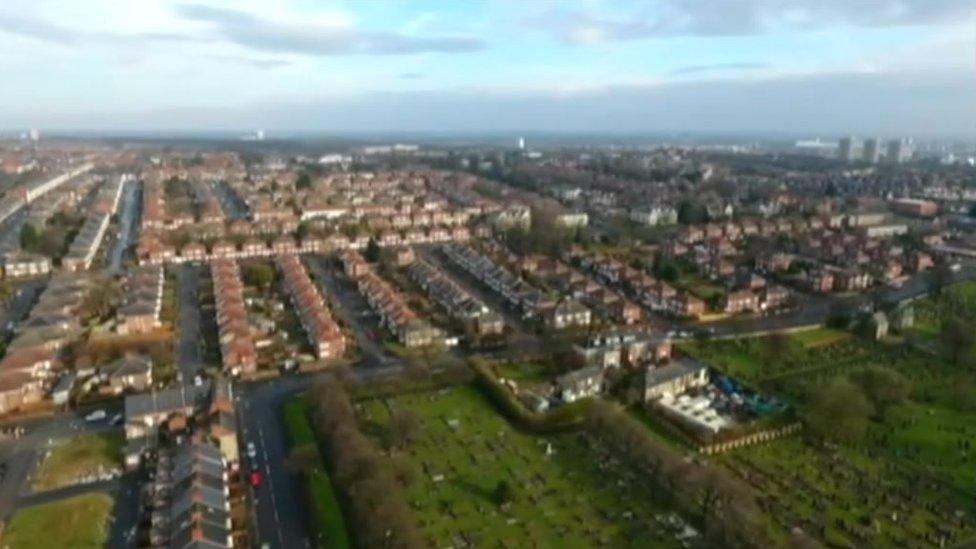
pixel 323 505
pixel 566 493
pixel 80 456
pixel 819 336
pixel 77 522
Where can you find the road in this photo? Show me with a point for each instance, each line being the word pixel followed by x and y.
pixel 281 519
pixel 352 310
pixel 816 309
pixel 233 206
pixel 20 303
pixel 278 503
pixel 189 345
pixel 128 226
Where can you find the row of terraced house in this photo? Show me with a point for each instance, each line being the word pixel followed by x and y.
pixel 323 333
pixel 390 305
pixel 461 305
pixel 237 350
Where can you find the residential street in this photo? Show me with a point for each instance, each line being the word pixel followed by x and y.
pixel 189 345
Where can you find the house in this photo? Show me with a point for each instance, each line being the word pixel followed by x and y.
pixel 741 301
pixel 567 314
pixel 578 384
pixel 132 372
pixel 146 412
pixel 673 379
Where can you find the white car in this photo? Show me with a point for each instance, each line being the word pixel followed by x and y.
pixel 252 452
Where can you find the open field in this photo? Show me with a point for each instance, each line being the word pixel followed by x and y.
pixel 563 492
pixel 78 457
pixel 323 504
pixel 77 522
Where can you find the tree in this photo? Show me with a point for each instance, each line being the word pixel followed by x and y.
pixel 503 492
pixel 838 410
pixel 883 387
pixel 260 275
pixel 29 237
pixel 303 230
pixel 404 428
pixel 303 181
pixel 938 279
pixel 958 338
pixel 372 251
pixel 691 212
pixel 100 300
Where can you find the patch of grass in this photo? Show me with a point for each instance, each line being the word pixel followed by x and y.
pixel 819 336
pixel 78 457
pixel 77 522
pixel 323 505
pixel 325 510
pixel 296 422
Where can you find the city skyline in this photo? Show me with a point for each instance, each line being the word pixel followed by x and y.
pixel 883 67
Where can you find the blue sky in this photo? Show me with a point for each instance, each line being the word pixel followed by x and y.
pixel 819 66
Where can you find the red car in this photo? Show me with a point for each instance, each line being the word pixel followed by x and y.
pixel 255 478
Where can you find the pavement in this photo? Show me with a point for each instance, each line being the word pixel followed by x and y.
pixel 189 348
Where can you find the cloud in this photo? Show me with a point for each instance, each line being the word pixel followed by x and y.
pixel 745 17
pixel 45 31
pixel 37 29
pixel 317 39
pixel 252 62
pixel 410 75
pixel 718 67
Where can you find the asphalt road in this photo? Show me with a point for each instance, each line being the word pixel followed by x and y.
pixel 281 520
pixel 189 351
pixel 233 206
pixel 20 303
pixel 816 309
pixel 128 228
pixel 350 307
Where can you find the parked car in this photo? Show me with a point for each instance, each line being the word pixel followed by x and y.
pixel 97 415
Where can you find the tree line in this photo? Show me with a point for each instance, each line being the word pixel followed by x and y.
pixel 373 499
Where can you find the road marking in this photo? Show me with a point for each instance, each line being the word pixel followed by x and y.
pixel 274 503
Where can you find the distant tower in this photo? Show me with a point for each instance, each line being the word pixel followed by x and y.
pixel 872 150
pixel 259 135
pixel 34 134
pixel 521 143
pixel 845 148
pixel 899 150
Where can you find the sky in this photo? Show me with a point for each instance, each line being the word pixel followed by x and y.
pixel 886 67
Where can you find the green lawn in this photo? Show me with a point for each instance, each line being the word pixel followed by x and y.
pixel 323 505
pixel 87 454
pixel 77 522
pixel 574 496
pixel 819 336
